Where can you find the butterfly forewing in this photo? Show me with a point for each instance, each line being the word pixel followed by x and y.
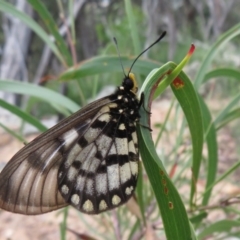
pixel 89 160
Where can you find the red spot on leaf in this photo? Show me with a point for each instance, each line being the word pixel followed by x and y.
pixel 162 172
pixel 178 83
pixel 166 190
pixel 164 182
pixel 170 205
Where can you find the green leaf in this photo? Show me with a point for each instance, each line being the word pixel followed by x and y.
pixel 23 115
pixel 221 226
pixel 212 147
pixel 106 64
pixel 58 101
pixel 188 99
pixel 172 210
pixel 220 43
pixel 53 28
pixel 225 111
pixel 229 117
pixel 13 133
pixel 132 26
pixel 198 218
pixel 222 72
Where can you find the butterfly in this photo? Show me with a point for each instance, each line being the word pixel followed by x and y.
pixel 89 160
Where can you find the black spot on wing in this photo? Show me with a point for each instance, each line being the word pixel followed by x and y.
pixel 102 169
pixel 110 129
pixel 76 164
pixel 133 157
pixel 117 159
pixel 83 142
pixel 99 155
pixel 99 124
pixel 121 133
pixel 85 173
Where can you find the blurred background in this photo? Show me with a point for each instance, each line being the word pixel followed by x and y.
pixel 68 47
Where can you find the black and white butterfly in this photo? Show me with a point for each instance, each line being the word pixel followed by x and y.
pixel 89 160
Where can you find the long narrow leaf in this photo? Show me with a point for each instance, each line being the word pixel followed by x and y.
pixel 220 43
pixel 106 64
pixel 43 93
pixel 170 204
pixel 212 159
pixel 23 115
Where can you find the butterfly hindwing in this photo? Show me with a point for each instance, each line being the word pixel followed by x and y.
pixel 100 171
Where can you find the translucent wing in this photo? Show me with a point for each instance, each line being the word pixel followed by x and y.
pixel 29 182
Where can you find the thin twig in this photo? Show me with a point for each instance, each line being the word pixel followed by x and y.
pixel 222 204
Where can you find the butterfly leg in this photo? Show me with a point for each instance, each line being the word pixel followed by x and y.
pixel 141 103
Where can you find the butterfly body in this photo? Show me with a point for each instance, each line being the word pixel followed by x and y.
pixel 89 160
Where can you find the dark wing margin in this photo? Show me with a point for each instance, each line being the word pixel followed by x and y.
pixel 29 182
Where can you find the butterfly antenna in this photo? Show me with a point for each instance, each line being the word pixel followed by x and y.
pixel 119 56
pixel 161 37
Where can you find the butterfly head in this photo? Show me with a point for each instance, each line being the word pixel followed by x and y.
pixel 129 83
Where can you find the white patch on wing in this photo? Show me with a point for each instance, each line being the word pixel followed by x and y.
pixel 89 186
pixel 85 153
pixel 80 183
pixel 121 126
pixel 65 189
pixel 94 165
pixel 112 150
pixel 69 137
pixel 103 142
pixel 72 155
pixel 104 109
pixel 113 176
pixel 75 199
pixel 88 206
pixel 125 172
pixel 122 146
pixel 60 174
pixel 91 134
pixel 101 183
pixel 102 205
pixel 131 147
pixel 112 105
pixel 88 159
pixel 104 117
pixel 116 200
pixel 128 190
pixel 134 167
pixel 134 137
pixel 72 172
